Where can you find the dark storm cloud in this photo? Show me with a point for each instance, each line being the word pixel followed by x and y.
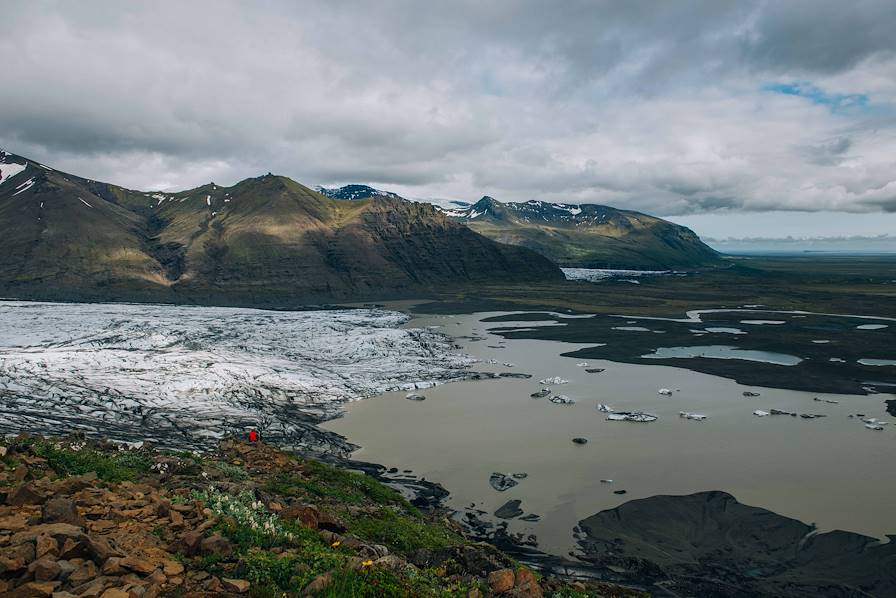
pixel 674 108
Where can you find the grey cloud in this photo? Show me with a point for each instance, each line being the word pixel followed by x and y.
pixel 647 105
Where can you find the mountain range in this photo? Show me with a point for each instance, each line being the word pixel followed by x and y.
pixel 575 236
pixel 263 241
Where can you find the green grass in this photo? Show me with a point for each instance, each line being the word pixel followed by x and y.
pixel 116 467
pixel 232 472
pixel 401 533
pixel 375 582
pixel 327 482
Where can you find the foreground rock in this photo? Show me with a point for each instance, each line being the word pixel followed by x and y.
pixel 90 519
pixel 501 481
pixel 509 510
pixel 708 544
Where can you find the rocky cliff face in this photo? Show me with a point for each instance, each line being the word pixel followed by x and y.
pixel 267 240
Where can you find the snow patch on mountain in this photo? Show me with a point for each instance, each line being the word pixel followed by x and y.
pixel 9 170
pixel 24 187
pixel 574 210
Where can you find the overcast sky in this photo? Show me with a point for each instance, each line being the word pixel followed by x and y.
pixel 674 108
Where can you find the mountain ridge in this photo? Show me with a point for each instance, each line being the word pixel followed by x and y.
pixel 575 235
pixel 264 239
pixel 589 235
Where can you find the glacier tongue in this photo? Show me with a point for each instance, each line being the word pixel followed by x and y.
pixel 183 376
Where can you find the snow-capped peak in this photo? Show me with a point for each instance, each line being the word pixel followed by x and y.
pixel 353 192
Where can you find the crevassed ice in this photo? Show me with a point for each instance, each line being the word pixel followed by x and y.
pixel 184 376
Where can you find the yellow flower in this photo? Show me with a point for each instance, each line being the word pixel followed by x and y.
pixel 366 563
pixel 336 543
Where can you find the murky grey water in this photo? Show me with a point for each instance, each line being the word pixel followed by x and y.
pixel 831 471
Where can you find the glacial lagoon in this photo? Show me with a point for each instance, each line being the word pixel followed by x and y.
pixel 829 471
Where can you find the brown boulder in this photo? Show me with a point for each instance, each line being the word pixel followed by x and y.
pixel 26 494
pixel 177 520
pixel 74 549
pixel 61 510
pixel 307 515
pixel 76 483
pixel 14 522
pixel 114 593
pixel 527 584
pixel 138 565
pixel 47 545
pixel 35 589
pixel 112 566
pixel 501 581
pixel 189 543
pixel 24 551
pixel 237 586
pixel 11 565
pixel 45 569
pixel 84 573
pixel 60 531
pixel 99 549
pixel 318 584
pixel 215 544
pixel 330 522
pixel 172 568
pixel 67 568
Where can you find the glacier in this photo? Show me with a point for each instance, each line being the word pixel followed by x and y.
pixel 185 376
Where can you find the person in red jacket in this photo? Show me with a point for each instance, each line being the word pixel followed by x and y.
pixel 253 436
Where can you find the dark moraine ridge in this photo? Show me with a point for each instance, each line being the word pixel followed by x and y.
pixel 710 545
pixel 815 373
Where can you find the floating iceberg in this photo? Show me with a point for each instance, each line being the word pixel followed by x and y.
pixel 664 391
pixel 761 413
pixel 554 380
pixel 561 400
pixel 631 416
pixel 694 416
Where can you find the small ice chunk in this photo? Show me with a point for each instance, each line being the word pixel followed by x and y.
pixel 631 416
pixel 561 400
pixel 695 416
pixel 664 391
pixel 761 413
pixel 554 380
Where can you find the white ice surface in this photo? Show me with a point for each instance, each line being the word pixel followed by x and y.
pixel 182 376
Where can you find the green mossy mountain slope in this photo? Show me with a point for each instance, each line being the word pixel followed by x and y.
pixel 265 240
